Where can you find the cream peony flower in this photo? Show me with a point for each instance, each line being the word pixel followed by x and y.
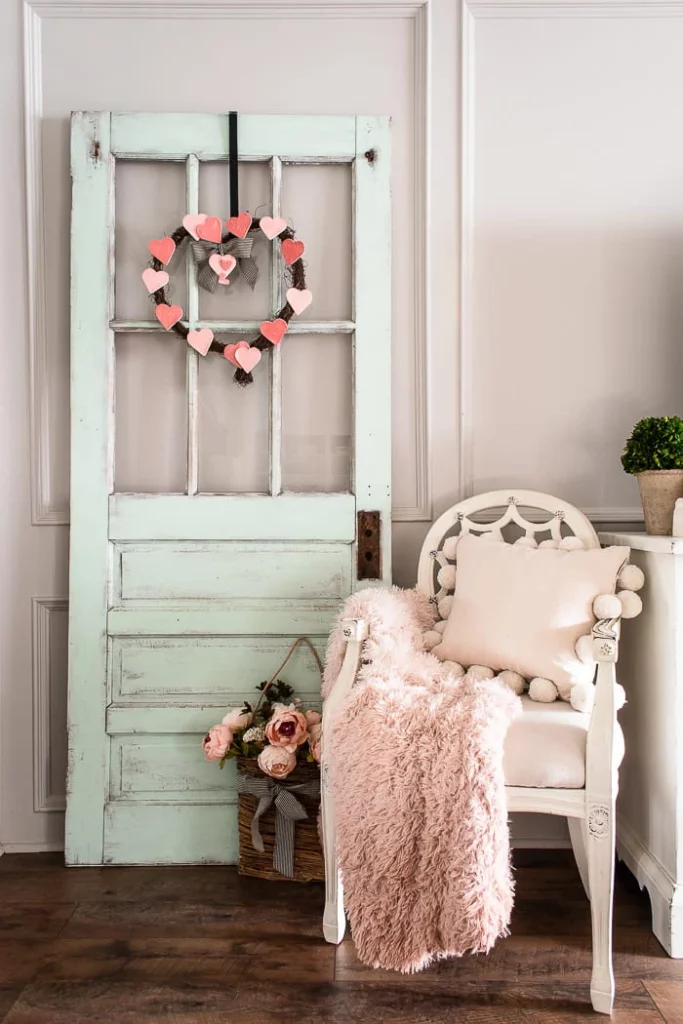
pixel 277 762
pixel 238 719
pixel 312 718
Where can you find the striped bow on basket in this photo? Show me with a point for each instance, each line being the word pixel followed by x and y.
pixel 278 823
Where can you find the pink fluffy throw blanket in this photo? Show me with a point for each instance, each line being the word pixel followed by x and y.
pixel 415 760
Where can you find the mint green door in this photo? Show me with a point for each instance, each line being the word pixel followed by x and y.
pixel 183 599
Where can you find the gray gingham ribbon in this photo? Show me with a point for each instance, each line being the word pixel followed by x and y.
pixel 240 248
pixel 288 811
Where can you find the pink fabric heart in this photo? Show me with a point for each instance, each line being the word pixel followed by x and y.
pixel 191 222
pixel 154 279
pixel 272 226
pixel 273 330
pixel 210 229
pixel 248 357
pixel 229 351
pixel 222 265
pixel 299 299
pixel 162 249
pixel 239 225
pixel 292 250
pixel 168 315
pixel 200 340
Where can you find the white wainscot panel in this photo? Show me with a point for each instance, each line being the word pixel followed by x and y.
pixel 50 639
pixel 573 222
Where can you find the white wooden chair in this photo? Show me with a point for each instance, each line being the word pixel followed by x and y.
pixel 585 750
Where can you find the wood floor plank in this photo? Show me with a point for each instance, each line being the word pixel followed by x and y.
pixel 125 1003
pixel 19 960
pixel 193 920
pixel 530 958
pixel 31 921
pixel 8 997
pixel 668 998
pixel 209 961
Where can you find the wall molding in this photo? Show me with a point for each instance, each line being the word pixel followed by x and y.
pixel 46 510
pixel 226 9
pixel 44 799
pixel 421 510
pixel 576 8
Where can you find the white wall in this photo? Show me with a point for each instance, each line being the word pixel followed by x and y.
pixel 538 207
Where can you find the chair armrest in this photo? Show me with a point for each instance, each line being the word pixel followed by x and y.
pixel 601 765
pixel 355 631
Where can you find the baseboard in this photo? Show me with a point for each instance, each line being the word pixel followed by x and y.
pixel 666 897
pixel 32 847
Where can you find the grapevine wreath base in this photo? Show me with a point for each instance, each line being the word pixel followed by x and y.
pixel 219 253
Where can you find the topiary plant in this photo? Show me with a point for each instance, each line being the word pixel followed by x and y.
pixel 655 443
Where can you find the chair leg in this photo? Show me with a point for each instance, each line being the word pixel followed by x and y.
pixel 600 856
pixel 334 919
pixel 577 834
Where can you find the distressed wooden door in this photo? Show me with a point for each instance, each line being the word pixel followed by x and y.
pixel 182 599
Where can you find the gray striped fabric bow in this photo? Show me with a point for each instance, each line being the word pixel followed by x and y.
pixel 240 248
pixel 288 811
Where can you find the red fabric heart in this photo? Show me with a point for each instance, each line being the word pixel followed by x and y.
pixel 162 249
pixel 168 315
pixel 292 250
pixel 239 225
pixel 229 351
pixel 210 229
pixel 273 330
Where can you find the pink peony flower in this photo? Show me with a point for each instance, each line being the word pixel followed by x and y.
pixel 287 728
pixel 312 718
pixel 216 742
pixel 238 719
pixel 277 762
pixel 314 741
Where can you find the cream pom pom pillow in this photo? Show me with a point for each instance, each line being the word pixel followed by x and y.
pixel 523 608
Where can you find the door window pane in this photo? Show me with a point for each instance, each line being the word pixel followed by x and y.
pixel 150 203
pixel 233 427
pixel 316 201
pixel 237 301
pixel 317 380
pixel 151 413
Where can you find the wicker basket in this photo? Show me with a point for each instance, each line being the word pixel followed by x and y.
pixel 308 855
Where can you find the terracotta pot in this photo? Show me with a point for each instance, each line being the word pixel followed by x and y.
pixel 659 489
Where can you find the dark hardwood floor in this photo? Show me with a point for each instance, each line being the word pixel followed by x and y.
pixel 201 945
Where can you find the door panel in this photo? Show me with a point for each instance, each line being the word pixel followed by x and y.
pixel 207 669
pixel 269 571
pixel 212 525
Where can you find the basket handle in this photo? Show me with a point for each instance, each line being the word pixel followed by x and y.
pixel 290 652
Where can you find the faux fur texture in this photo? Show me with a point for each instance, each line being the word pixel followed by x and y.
pixel 416 770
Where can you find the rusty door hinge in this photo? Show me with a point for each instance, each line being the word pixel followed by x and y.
pixel 369 559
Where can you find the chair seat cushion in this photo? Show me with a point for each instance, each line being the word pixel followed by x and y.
pixel 545 747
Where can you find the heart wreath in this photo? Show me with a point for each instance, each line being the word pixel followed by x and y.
pixel 217 254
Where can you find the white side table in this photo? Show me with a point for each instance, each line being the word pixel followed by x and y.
pixel 650 804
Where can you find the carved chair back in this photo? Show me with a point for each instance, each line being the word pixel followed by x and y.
pixel 512 514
